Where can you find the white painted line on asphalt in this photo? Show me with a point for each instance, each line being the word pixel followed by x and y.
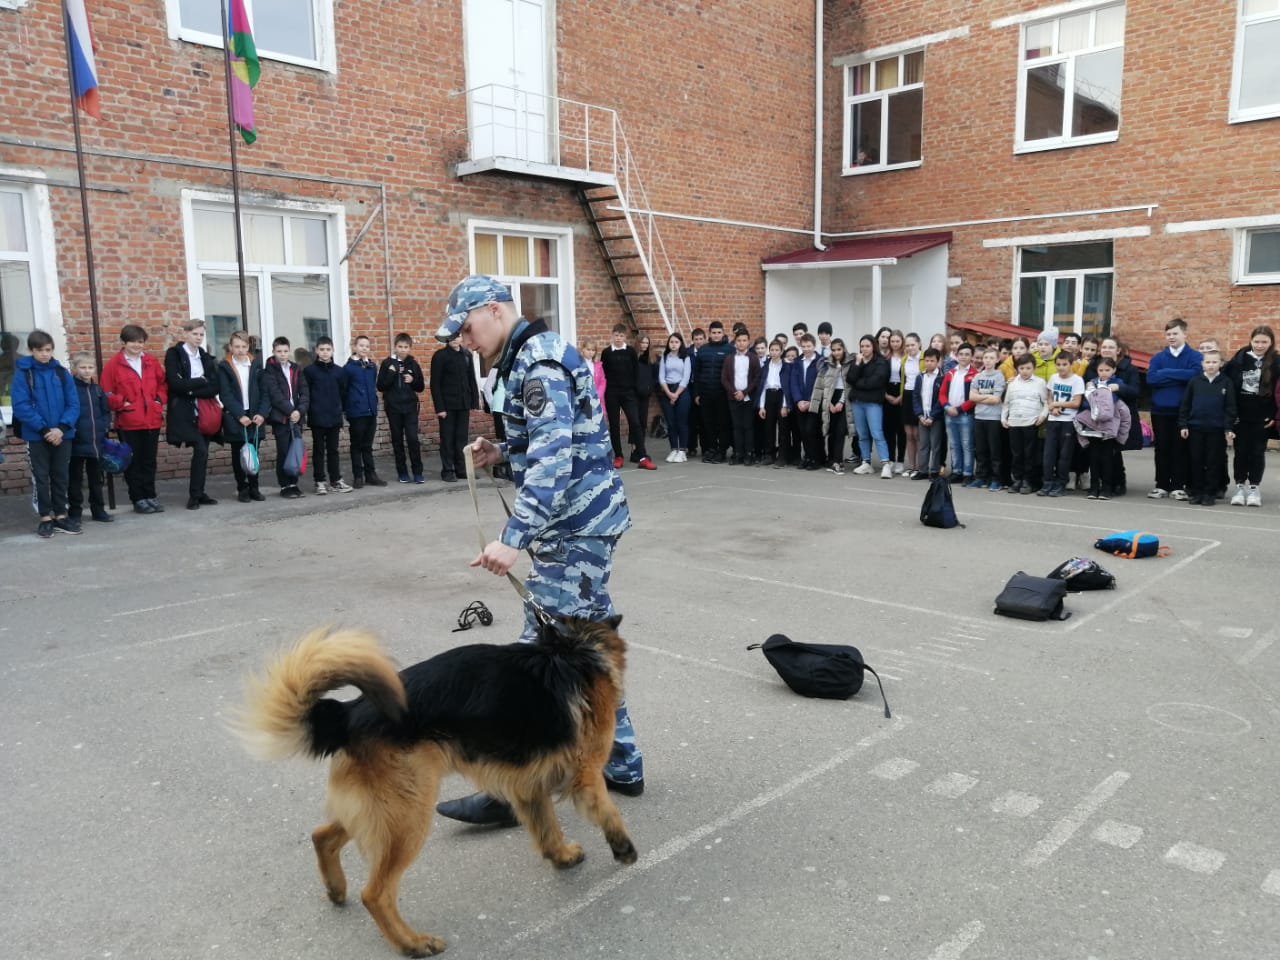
pixel 1235 633
pixel 1195 858
pixel 969 636
pixel 141 644
pixel 1016 804
pixel 965 937
pixel 920 658
pixel 1065 829
pixel 678 845
pixel 1271 885
pixel 1259 647
pixel 894 769
pixel 1122 835
pixel 169 606
pixel 951 786
pixel 938 648
pixel 1127 595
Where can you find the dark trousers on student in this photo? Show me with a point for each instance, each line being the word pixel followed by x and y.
pixel 49 467
pixel 453 437
pixel 617 404
pixel 987 441
pixel 1022 454
pixel 837 433
pixel 1059 441
pixel 1251 450
pixel 1102 465
pixel 930 453
pixel 140 477
pixel 1208 452
pixel 361 431
pixel 717 431
pixel 199 466
pixel 403 425
pixel 283 432
pixel 741 415
pixel 775 426
pixel 894 435
pixel 90 469
pixel 1172 452
pixel 324 454
pixel 810 436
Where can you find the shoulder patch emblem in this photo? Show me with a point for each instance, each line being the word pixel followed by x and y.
pixel 535 397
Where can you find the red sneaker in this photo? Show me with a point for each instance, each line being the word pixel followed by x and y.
pixel 617 463
pixel 646 464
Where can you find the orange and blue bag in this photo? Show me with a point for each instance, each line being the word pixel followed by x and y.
pixel 1132 545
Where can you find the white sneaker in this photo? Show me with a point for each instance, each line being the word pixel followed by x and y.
pixel 341 486
pixel 321 488
pixel 671 457
pixel 898 469
pixel 863 469
pixel 1254 499
pixel 1179 495
pixel 1158 494
pixel 1237 498
pixel 886 472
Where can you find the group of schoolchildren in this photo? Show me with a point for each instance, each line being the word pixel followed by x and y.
pixel 65 417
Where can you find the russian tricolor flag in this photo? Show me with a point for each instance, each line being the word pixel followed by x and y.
pixel 84 71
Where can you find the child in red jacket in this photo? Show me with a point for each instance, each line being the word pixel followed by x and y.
pixel 137 392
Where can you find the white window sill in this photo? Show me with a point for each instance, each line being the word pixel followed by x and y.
pixel 1254 280
pixel 1065 143
pixel 1258 113
pixel 12 4
pixel 879 168
pixel 209 40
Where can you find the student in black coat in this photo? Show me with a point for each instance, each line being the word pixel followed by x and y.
pixel 245 406
pixel 400 381
pixel 288 399
pixel 191 374
pixel 454 394
pixel 326 384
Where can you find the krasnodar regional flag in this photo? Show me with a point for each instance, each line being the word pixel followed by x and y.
pixel 245 70
pixel 84 69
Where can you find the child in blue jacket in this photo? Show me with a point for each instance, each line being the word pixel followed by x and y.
pixel 45 411
pixel 86 448
pixel 360 404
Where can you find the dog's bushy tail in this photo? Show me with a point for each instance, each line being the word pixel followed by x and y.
pixel 285 712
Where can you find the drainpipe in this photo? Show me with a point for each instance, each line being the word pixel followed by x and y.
pixel 817 124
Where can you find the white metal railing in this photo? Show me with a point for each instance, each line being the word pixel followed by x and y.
pixel 554 131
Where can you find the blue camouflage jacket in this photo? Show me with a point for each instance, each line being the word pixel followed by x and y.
pixel 557 443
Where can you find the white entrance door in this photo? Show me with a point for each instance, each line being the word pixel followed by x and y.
pixel 508 77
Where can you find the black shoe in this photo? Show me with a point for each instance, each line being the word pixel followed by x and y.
pixel 193 503
pixel 374 480
pixel 449 476
pixel 357 483
pixel 44 529
pixel 632 789
pixel 256 494
pixel 143 506
pixel 479 808
pixel 156 505
pixel 290 493
pixel 243 496
pixel 206 500
pixel 102 516
pixel 67 525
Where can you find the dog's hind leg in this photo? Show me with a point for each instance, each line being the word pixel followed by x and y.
pixel 329 841
pixel 592 800
pixel 538 814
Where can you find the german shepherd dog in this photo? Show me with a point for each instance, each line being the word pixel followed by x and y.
pixel 523 722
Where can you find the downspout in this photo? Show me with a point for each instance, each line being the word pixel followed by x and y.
pixel 817 124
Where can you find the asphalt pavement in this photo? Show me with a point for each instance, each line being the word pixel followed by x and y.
pixel 1098 788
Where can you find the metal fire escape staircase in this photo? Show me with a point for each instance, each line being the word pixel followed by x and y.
pixel 518 133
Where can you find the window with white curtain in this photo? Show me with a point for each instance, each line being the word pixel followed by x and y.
pixel 884 113
pixel 1255 79
pixel 534 263
pixel 23 273
pixel 295 31
pixel 1069 79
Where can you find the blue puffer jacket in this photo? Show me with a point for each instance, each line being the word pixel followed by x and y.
pixel 44 396
pixel 324 382
pixel 360 396
pixel 95 418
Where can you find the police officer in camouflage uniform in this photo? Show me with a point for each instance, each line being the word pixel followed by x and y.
pixel 570 507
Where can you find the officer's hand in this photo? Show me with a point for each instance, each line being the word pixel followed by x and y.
pixel 485 453
pixel 497 558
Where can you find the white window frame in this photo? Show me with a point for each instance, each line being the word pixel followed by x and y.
pixel 563 237
pixel 326 45
pixel 1240 257
pixel 848 168
pixel 1051 276
pixel 13 4
pixel 335 214
pixel 1235 113
pixel 42 256
pixel 1068 60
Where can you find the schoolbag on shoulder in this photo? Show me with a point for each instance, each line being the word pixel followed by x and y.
pixel 938 509
pixel 1079 574
pixel 1032 598
pixel 831 671
pixel 1132 545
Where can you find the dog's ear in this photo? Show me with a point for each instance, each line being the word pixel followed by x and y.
pixel 614 621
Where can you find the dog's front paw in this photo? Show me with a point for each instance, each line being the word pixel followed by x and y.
pixel 570 856
pixel 624 851
pixel 425 946
pixel 337 894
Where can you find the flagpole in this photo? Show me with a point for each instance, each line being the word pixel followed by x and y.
pixel 235 164
pixel 84 192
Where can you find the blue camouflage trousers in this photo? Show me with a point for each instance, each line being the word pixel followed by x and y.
pixel 570 577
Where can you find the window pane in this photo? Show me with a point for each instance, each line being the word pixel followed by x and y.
pixel 1073 32
pixel 263 239
pixel 1110 26
pixel 1064 303
pixel 1096 106
pixel 1044 102
pixel 222 311
pixel 201 15
pixel 300 308
pixel 486 253
pixel 17 319
pixel 1096 318
pixel 865 127
pixel 215 235
pixel 285 26
pixel 309 246
pixel 1031 303
pixel 1039 42
pixel 544 253
pixel 13 232
pixel 1260 69
pixel 860 79
pixel 515 257
pixel 539 302
pixel 905 112
pixel 1255 7
pixel 1264 252
pixel 887 73
pixel 1067 256
pixel 913 68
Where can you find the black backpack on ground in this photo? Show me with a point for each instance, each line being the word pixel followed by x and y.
pixel 1032 598
pixel 831 671
pixel 1080 573
pixel 938 509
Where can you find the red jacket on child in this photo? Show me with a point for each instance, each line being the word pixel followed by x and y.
pixel 944 389
pixel 138 403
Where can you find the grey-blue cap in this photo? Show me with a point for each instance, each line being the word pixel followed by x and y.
pixel 469 293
